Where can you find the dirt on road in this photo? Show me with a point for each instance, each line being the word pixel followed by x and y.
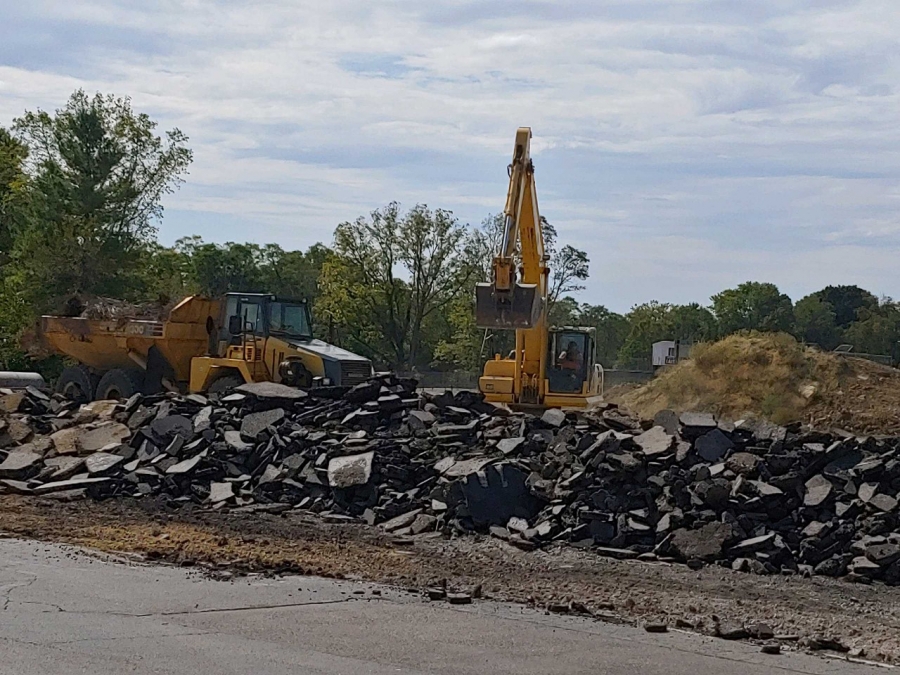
pixel 864 619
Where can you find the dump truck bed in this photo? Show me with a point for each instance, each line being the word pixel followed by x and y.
pixel 126 342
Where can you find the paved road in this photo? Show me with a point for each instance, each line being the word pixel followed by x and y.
pixel 65 612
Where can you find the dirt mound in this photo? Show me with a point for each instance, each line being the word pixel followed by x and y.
pixel 866 401
pixel 774 377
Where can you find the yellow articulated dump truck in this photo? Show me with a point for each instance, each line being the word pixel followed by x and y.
pixel 205 345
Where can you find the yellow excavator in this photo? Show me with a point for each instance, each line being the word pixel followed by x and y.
pixel 549 367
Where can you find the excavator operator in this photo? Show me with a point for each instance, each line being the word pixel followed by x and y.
pixel 571 358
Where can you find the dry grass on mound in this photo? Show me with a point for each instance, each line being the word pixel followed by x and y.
pixel 771 375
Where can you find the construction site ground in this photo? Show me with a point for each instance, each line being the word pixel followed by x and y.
pixel 862 618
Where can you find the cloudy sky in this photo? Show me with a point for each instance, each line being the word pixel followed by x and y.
pixel 687 145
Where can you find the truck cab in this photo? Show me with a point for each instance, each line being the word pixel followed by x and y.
pixel 261 337
pixel 261 316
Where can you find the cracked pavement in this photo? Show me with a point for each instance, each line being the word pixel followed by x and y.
pixel 66 611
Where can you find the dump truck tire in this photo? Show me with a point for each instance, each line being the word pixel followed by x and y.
pixel 77 383
pixel 225 383
pixel 120 383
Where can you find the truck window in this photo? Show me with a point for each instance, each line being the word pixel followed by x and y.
pixel 290 319
pixel 252 317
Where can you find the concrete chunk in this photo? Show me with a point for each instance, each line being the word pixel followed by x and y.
pixel 419 420
pixel 64 466
pixel 220 492
pixel 698 420
pixel 65 441
pixel 866 492
pixel 100 462
pixel 754 544
pixel 71 484
pixel 271 390
pixel 12 402
pixel 818 489
pixel 19 464
pixel 743 463
pixel 401 521
pixel 17 431
pixel 704 544
pixel 884 555
pixel 459 468
pixel 236 443
pixel 713 445
pixel 168 427
pixel 254 424
pixel 203 419
pixel 883 502
pixel 668 420
pixel 509 445
pixel 184 467
pixel 553 417
pixel 103 436
pixel 656 441
pixel 344 472
pixel 423 523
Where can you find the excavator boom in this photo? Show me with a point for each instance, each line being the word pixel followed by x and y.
pixel 507 302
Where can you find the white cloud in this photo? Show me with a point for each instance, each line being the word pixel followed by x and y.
pixel 686 144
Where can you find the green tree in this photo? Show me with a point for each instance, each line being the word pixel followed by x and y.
pixel 846 302
pixel 565 312
pixel 569 266
pixel 13 189
pixel 877 331
pixel 647 323
pixel 611 331
pixel 293 274
pixel 392 277
pixel 753 306
pixel 214 269
pixel 223 268
pixel 693 323
pixel 167 273
pixel 815 322
pixel 655 321
pixel 99 172
pixel 465 346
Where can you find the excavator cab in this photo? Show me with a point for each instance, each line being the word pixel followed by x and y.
pixel 570 362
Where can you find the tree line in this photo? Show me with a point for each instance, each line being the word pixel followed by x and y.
pixel 81 190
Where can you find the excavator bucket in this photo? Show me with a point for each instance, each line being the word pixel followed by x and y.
pixel 519 309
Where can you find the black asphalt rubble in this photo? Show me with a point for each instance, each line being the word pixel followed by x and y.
pixel 754 496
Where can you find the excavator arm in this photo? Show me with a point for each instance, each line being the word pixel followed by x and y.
pixel 507 302
pixel 517 299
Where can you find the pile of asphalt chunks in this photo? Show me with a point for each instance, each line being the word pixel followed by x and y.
pixel 751 495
